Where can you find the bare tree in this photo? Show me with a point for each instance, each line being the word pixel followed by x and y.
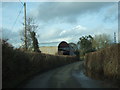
pixel 101 41
pixel 32 41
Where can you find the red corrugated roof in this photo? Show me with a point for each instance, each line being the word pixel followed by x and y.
pixel 63 44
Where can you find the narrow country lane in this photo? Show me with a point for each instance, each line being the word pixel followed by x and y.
pixel 69 76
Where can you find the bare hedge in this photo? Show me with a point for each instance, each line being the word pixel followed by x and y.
pixel 18 66
pixel 105 62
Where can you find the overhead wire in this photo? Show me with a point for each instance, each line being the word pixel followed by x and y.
pixel 17 18
pixel 21 2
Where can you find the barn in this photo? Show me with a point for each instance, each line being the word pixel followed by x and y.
pixel 65 49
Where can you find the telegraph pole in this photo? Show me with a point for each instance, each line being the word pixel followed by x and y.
pixel 25 26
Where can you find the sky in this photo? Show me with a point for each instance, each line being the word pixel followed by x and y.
pixel 60 21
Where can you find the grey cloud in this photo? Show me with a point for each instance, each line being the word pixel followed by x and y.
pixel 13 37
pixel 67 11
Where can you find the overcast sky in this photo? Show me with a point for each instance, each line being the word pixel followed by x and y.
pixel 60 21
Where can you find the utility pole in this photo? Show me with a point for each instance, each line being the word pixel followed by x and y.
pixel 25 26
pixel 114 37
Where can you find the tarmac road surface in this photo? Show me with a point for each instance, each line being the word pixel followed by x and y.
pixel 68 76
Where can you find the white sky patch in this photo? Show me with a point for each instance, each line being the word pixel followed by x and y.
pixel 58 35
pixel 79 27
pixel 63 32
pixel 75 30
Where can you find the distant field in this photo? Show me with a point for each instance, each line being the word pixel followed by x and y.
pixel 49 49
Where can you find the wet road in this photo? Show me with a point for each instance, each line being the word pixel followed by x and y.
pixel 69 76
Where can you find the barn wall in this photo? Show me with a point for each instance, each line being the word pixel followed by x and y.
pixel 49 49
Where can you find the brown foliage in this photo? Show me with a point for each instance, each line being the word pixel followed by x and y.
pixel 105 61
pixel 18 65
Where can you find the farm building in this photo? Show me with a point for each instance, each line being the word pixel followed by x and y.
pixel 65 49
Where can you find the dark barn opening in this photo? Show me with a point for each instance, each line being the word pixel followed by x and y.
pixel 63 48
